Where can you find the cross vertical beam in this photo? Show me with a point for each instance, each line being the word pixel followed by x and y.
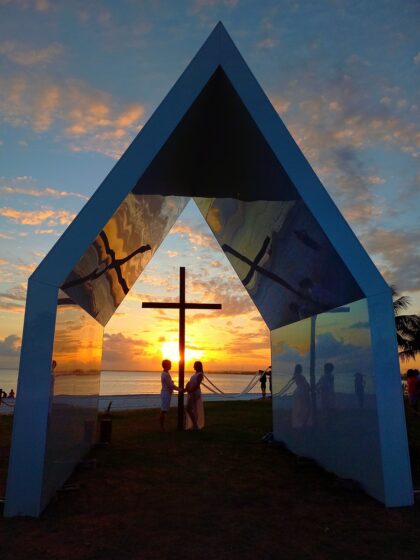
pixel 181 365
pixel 182 306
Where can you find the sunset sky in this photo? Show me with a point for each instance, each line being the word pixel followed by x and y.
pixel 78 80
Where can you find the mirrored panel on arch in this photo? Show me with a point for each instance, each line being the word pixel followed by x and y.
pixel 324 399
pixel 282 256
pixel 75 383
pixel 120 252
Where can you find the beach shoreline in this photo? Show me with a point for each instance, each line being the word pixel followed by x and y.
pixel 138 402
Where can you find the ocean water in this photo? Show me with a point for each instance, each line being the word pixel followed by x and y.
pixel 144 382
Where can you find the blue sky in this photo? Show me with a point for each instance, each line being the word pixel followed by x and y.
pixel 79 79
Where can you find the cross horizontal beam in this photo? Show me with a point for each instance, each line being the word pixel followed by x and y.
pixel 182 305
pixel 159 305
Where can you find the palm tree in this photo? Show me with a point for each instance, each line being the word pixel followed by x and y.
pixel 408 327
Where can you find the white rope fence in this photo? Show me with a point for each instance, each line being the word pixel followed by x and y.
pixel 284 389
pixel 2 401
pixel 217 391
pixel 213 388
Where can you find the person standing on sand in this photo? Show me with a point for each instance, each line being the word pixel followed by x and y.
pixel 263 381
pixel 268 372
pixel 168 387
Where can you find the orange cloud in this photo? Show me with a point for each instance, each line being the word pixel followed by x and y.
pixel 10 345
pixel 397 255
pixel 37 217
pixel 13 300
pixel 47 191
pixel 25 56
pixel 280 105
pixel 120 349
pixel 46 232
pixel 361 212
pixel 195 237
pixel 91 118
pixel 38 5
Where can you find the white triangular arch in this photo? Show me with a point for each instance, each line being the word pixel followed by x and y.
pixel 32 477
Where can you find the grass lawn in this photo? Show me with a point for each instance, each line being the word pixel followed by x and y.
pixel 216 494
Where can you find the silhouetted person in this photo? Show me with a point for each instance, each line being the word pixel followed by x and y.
pixel 195 408
pixel 263 381
pixel 168 387
pixel 301 407
pixel 413 387
pixel 11 395
pixel 359 389
pixel 325 386
pixel 268 372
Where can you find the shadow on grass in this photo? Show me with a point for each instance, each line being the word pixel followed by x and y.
pixel 216 494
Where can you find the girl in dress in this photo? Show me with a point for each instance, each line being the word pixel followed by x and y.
pixel 194 419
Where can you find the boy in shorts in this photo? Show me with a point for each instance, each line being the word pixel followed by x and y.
pixel 168 387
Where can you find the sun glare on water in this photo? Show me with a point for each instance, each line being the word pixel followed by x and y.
pixel 170 351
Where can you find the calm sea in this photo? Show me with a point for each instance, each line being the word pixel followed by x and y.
pixel 143 382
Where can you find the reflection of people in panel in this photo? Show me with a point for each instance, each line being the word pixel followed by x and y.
pixel 325 386
pixel 301 408
pixel 359 389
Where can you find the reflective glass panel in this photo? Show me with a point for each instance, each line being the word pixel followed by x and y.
pixel 116 258
pixel 282 256
pixel 324 403
pixel 75 380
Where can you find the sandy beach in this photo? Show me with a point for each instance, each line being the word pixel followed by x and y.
pixel 138 402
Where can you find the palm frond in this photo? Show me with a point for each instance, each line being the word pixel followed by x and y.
pixel 407 324
pixel 407 327
pixel 401 303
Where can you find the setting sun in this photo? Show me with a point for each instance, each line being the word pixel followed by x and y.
pixel 170 351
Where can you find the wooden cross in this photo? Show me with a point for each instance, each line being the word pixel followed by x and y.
pixel 182 306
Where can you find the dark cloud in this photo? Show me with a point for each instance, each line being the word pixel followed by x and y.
pixel 397 254
pixel 328 347
pixel 120 349
pixel 10 346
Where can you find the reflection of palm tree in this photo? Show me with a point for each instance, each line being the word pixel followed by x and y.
pixel 408 327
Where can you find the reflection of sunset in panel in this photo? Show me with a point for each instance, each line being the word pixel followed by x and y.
pixel 77 341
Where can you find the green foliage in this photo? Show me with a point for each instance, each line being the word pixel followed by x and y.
pixel 408 327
